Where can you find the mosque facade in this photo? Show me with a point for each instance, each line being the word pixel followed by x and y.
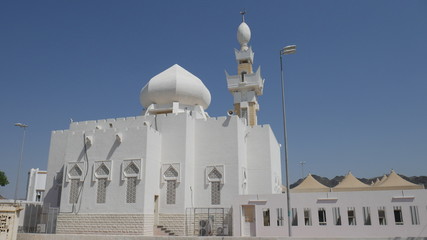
pixel 175 170
pixel 129 175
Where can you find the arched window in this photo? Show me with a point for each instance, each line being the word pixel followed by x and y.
pixel 75 173
pixel 171 174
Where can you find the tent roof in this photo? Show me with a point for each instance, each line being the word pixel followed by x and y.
pixel 310 184
pixel 350 182
pixel 393 180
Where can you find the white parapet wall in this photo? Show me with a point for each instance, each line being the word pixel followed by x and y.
pixel 9 214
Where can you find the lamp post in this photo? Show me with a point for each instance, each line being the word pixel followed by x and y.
pixel 23 126
pixel 285 51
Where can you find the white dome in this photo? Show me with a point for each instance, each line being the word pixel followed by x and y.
pixel 243 34
pixel 175 84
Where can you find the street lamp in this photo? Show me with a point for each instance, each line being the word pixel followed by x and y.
pixel 285 51
pixel 23 126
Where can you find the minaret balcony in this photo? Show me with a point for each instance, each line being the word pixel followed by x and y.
pixel 246 82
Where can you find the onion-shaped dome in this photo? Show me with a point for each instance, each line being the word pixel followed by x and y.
pixel 175 84
pixel 243 34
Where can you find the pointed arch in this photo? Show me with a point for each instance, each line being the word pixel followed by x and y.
pixel 75 171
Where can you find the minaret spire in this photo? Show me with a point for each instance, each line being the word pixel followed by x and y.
pixel 243 15
pixel 247 85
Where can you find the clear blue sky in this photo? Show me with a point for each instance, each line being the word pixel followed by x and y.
pixel 356 89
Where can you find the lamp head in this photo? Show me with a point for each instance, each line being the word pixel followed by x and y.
pixel 21 125
pixel 288 50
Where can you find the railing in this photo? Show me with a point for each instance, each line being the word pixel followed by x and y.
pixel 38 218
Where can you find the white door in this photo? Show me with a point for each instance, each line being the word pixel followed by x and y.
pixel 248 221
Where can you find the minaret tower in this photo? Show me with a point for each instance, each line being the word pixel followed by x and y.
pixel 247 85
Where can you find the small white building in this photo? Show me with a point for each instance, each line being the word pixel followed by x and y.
pixel 390 207
pixel 128 175
pixel 36 185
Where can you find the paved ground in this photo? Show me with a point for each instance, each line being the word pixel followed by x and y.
pixel 30 236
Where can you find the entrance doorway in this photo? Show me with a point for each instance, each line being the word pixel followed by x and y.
pixel 248 221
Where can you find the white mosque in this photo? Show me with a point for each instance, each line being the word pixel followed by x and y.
pixel 175 170
pixel 128 175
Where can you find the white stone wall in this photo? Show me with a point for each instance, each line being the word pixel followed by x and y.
pixel 191 145
pixel 9 221
pixel 173 222
pixel 264 168
pixel 106 224
pixel 219 142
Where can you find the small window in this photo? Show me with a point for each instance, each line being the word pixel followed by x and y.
pixel 398 219
pixel 307 217
pixel 243 76
pixel 171 192
pixel 337 216
pixel 39 195
pixel 366 215
pixel 322 216
pixel 102 190
pixel 381 216
pixel 215 193
pixel 244 114
pixel 266 216
pixel 131 190
pixel 74 190
pixel 280 217
pixel 351 216
pixel 415 218
pixel 294 217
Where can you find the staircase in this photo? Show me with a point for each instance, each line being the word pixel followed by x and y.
pixel 162 231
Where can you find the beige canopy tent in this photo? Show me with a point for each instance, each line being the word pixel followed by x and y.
pixel 310 184
pixel 351 183
pixel 395 182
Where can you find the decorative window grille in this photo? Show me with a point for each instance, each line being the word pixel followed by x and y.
pixel 215 174
pixel 171 175
pixel 279 217
pixel 322 216
pixel 103 170
pixel 131 173
pixel 74 190
pixel 415 217
pixel 307 216
pixel 215 193
pixel 336 215
pixel 102 190
pixel 351 216
pixel 381 216
pixel 102 175
pixel 266 216
pixel 215 177
pixel 366 215
pixel 171 172
pixel 132 169
pixel 294 217
pixel 75 171
pixel 131 190
pixel 170 191
pixel 398 219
